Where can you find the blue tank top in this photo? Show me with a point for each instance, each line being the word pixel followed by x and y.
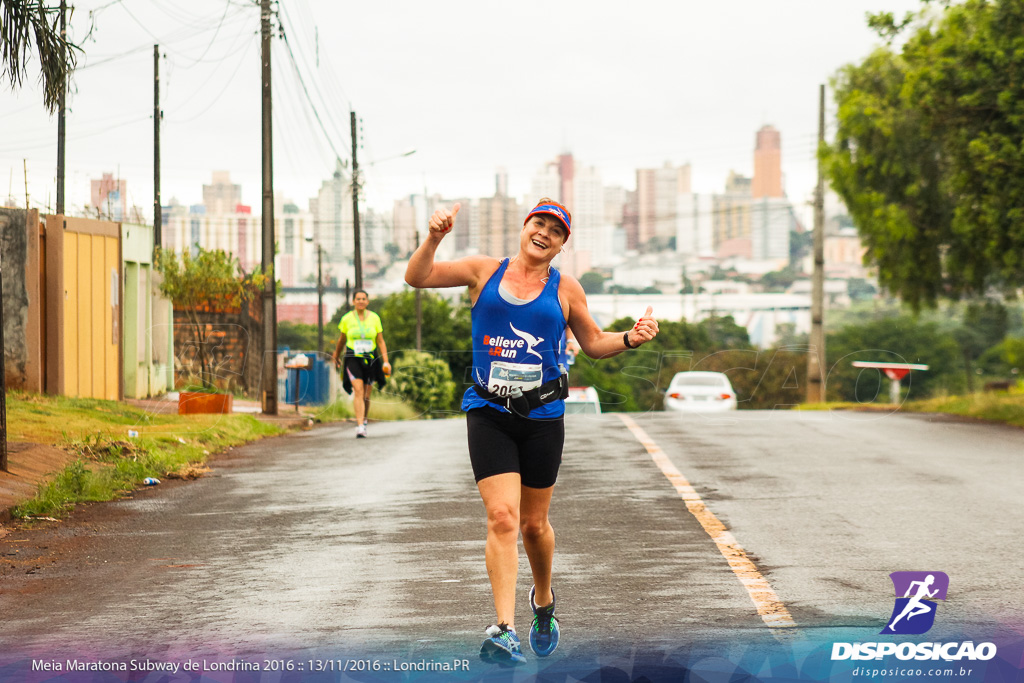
pixel 516 345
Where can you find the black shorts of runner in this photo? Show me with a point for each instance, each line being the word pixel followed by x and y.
pixel 360 368
pixel 501 442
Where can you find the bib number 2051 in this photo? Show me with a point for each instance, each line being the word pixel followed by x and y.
pixel 508 379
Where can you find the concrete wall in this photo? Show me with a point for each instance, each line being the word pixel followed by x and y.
pixel 14 231
pixel 148 370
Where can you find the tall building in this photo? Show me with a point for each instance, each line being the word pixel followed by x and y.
pixel 294 230
pixel 403 221
pixel 767 164
pixel 501 181
pixel 731 224
pixel 579 189
pixel 500 222
pixel 567 173
pixel 221 196
pixel 332 211
pixel 695 225
pixel 237 232
pixel 657 194
pixel 109 197
pixel 546 183
pixel 771 219
pixel 630 222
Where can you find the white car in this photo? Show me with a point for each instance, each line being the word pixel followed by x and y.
pixel 582 400
pixel 700 392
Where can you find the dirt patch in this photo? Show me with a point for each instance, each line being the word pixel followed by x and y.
pixel 30 464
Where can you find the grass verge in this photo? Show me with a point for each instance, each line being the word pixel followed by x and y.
pixel 115 445
pixel 386 409
pixel 109 459
pixel 1006 408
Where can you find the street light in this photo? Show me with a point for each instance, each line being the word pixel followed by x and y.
pixel 319 293
pixel 357 244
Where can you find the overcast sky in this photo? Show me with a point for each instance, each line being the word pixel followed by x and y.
pixel 471 85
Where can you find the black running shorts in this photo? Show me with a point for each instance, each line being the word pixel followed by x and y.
pixel 501 442
pixel 360 368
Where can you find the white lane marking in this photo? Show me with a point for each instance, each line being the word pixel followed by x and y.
pixel 772 611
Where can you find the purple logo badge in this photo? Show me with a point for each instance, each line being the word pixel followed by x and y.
pixel 914 611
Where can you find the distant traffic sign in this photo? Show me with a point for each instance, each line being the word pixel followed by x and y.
pixel 894 371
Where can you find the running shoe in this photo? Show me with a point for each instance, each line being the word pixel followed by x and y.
pixel 361 432
pixel 502 646
pixel 544 631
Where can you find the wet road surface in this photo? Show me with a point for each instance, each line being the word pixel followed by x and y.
pixel 318 542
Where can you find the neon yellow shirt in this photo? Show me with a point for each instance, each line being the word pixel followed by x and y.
pixel 360 335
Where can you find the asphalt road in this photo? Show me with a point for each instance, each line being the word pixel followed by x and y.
pixel 317 542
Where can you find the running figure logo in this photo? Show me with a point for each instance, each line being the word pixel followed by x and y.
pixel 914 611
pixel 530 340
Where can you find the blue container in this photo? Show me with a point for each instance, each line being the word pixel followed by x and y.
pixel 314 385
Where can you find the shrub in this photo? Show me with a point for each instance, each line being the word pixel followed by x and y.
pixel 424 381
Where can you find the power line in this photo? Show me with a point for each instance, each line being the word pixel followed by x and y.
pixel 339 128
pixel 233 50
pixel 305 90
pixel 219 95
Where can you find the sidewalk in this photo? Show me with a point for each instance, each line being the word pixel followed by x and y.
pixel 286 417
pixel 31 464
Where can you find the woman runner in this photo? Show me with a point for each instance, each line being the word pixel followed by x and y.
pixel 514 410
pixel 361 336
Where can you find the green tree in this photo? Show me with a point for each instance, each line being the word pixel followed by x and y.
pixel 927 154
pixel 446 332
pixel 897 339
pixel 779 280
pixel 299 336
pixel 425 382
pixel 724 333
pixel 592 282
pixel 984 326
pixel 623 289
pixel 634 381
pixel 800 244
pixel 860 289
pixel 208 280
pixel 24 22
pixel 1013 353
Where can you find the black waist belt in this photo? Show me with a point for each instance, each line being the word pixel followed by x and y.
pixel 549 392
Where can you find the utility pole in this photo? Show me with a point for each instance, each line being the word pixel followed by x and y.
pixel 269 392
pixel 24 164
pixel 357 245
pixel 419 308
pixel 816 353
pixel 157 206
pixel 3 382
pixel 419 294
pixel 319 299
pixel 60 114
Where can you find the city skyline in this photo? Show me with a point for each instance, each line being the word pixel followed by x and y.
pixel 685 84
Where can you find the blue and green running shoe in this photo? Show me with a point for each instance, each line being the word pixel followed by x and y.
pixel 502 646
pixel 544 631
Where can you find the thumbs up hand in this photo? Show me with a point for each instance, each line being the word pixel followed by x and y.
pixel 645 330
pixel 443 220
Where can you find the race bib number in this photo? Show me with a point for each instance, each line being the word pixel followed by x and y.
pixel 361 346
pixel 510 379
